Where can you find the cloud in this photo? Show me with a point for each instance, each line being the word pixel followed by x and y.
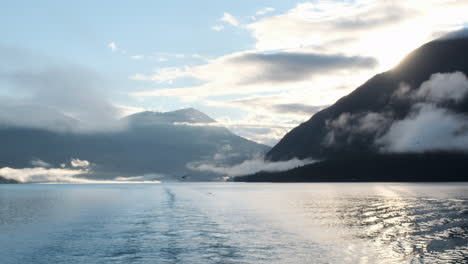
pixel 18 113
pixel 279 104
pixel 359 27
pixel 43 175
pixel 217 27
pixel 263 129
pixel 137 57
pixel 146 178
pixel 444 87
pixel 112 46
pixel 264 11
pixel 246 72
pixel 428 128
pixel 64 175
pixel 294 66
pixel 40 163
pixel 432 123
pixel 162 75
pixel 43 172
pixel 230 19
pixel 349 127
pixel 268 117
pixel 77 163
pixel 315 53
pixel 56 96
pixel 298 108
pixel 250 167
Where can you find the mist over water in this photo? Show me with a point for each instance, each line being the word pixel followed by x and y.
pixel 234 223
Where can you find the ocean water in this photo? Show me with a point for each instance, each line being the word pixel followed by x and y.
pixel 234 223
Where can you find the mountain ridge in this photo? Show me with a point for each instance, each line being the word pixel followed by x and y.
pixel 186 115
pixel 163 147
pixel 306 140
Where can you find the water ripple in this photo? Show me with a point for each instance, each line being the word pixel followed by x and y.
pixel 235 223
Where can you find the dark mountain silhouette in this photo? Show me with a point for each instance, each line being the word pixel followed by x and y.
pixel 307 140
pixel 153 143
pixel 352 156
pixel 429 167
pixel 7 181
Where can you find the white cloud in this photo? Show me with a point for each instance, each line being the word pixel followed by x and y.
pixel 77 163
pixel 360 27
pixel 430 126
pixel 250 167
pixel 217 27
pixel 162 75
pixel 146 178
pixel 40 163
pixel 65 175
pixel 264 11
pixel 363 29
pixel 44 175
pixel 230 19
pixel 250 72
pixel 43 172
pixel 112 46
pixel 137 57
pixel 444 87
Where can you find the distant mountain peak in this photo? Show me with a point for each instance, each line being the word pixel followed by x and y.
pixel 186 115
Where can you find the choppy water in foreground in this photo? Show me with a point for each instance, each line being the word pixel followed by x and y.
pixel 234 223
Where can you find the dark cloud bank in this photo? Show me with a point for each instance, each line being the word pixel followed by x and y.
pixel 294 66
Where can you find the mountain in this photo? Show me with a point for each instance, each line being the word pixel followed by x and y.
pixel 413 167
pixel 188 115
pixel 406 124
pixel 7 181
pixel 169 144
pixel 312 138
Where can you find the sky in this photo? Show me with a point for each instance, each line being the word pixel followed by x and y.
pixel 259 68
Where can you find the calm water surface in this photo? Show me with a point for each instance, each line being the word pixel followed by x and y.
pixel 234 223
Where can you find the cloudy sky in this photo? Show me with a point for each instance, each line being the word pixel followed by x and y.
pixel 258 67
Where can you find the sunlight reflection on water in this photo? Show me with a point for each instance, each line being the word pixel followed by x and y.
pixel 234 223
